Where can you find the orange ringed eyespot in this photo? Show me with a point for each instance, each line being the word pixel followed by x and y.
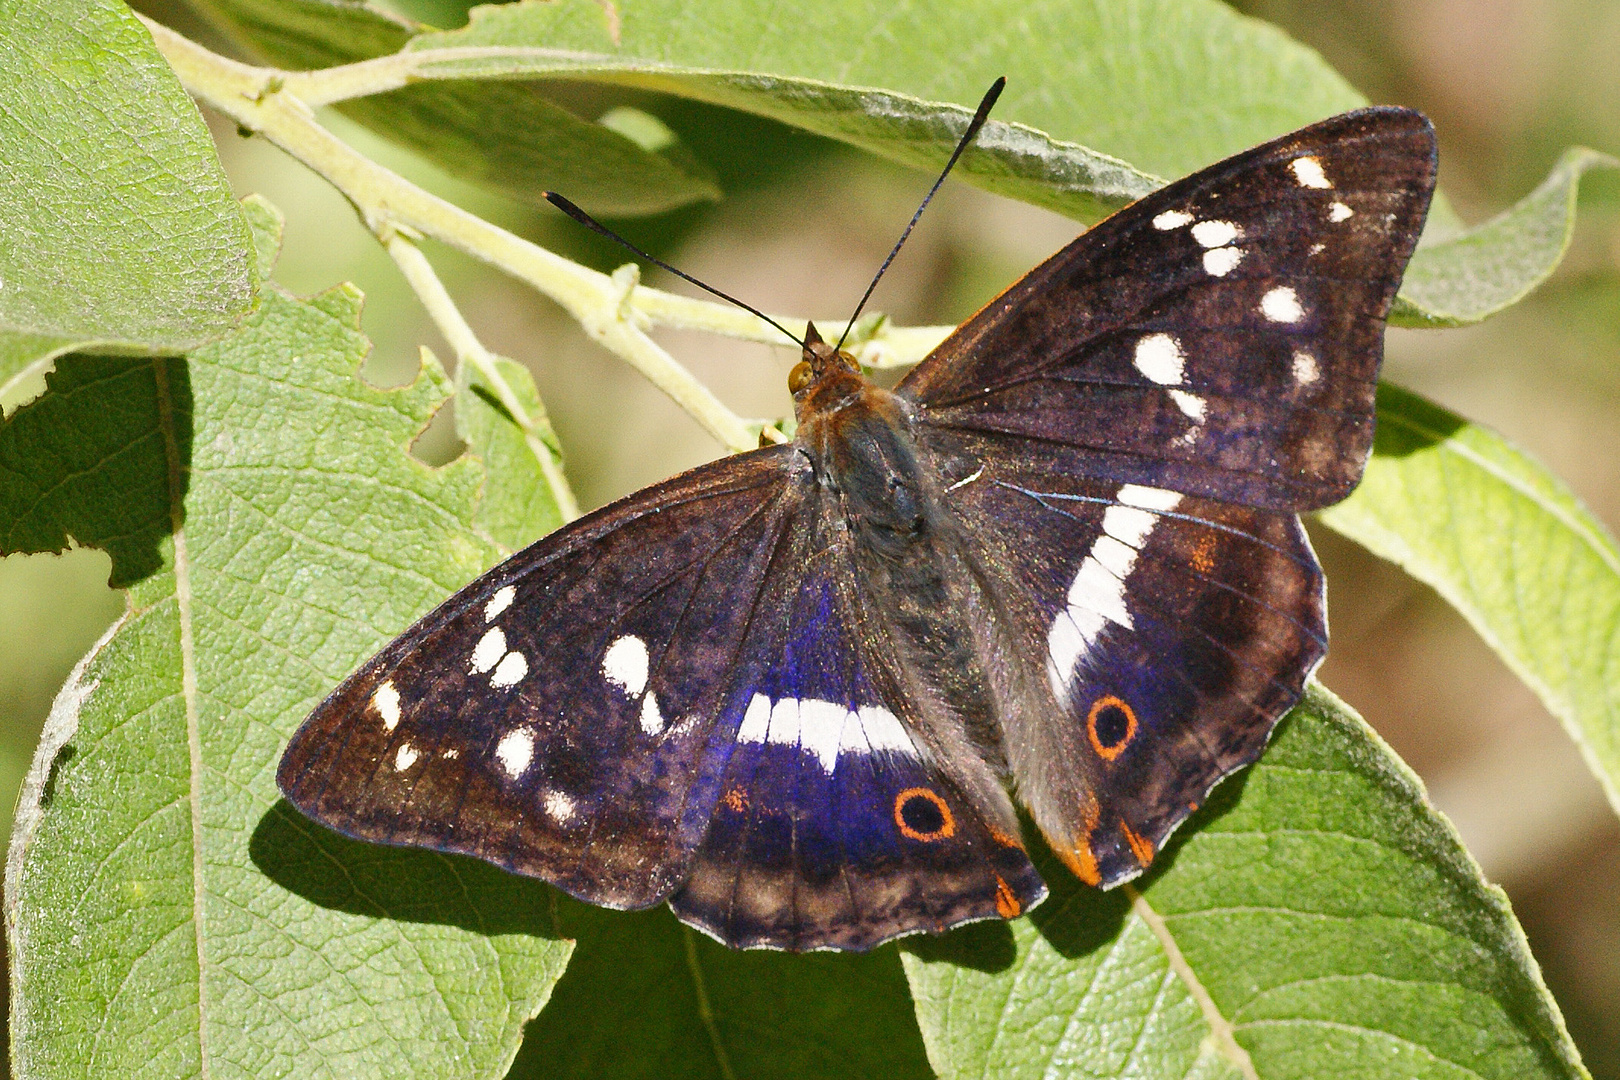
pixel 1110 725
pixel 922 815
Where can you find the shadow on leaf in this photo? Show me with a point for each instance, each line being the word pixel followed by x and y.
pixel 102 458
pixel 1407 424
pixel 644 996
pixel 984 946
pixel 408 884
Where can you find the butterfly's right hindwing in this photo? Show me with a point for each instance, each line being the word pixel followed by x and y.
pixel 556 717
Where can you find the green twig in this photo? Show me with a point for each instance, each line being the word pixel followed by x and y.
pixel 268 101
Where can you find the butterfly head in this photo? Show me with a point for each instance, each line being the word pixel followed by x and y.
pixel 824 377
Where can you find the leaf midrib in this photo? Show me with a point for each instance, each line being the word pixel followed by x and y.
pixel 188 693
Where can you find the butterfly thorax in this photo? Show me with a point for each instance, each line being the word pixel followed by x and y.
pixel 913 565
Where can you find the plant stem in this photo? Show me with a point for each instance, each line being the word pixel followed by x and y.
pixel 267 101
pixel 471 352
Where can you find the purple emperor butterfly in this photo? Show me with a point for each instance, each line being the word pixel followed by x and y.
pixel 790 692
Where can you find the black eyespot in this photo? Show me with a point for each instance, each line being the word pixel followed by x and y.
pixel 923 815
pixel 1111 725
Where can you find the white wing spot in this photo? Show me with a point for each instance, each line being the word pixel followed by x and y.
pixel 966 480
pixel 1214 234
pixel 1317 249
pixel 510 671
pixel 1191 405
pixel 821 730
pixel 515 751
pixel 824 729
pixel 405 757
pixel 1159 358
pixel 1338 212
pixel 450 754
pixel 1308 171
pixel 489 650
pixel 652 721
pixel 499 602
pixel 1306 370
pixel 1171 219
pixel 625 664
pixel 559 806
pixel 882 730
pixel 1097 595
pixel 1149 498
pixel 385 699
pixel 756 721
pixel 1221 261
pixel 1281 305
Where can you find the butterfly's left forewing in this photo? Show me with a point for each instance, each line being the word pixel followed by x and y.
pixel 558 716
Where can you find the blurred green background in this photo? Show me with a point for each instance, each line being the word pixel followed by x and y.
pixel 1509 84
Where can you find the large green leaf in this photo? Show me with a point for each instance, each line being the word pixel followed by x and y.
pixel 117 227
pixel 1507 543
pixel 647 997
pixel 1091 87
pixel 167 914
pixel 1318 919
pixel 518 505
pixel 502 134
pixel 1468 277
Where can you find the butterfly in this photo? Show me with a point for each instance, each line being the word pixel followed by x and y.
pixel 800 693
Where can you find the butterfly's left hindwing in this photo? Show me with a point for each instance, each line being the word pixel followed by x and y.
pixel 838 825
pixel 557 717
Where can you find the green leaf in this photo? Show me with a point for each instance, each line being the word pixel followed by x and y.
pixel 1507 543
pixel 90 460
pixel 1319 919
pixel 504 135
pixel 1139 80
pixel 647 997
pixel 167 914
pixel 1088 90
pixel 518 505
pixel 117 226
pixel 265 224
pixel 1470 277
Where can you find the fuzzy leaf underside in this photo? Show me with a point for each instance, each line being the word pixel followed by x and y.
pixel 117 226
pixel 1510 546
pixel 1328 918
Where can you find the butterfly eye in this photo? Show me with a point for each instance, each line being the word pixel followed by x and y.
pixel 799 377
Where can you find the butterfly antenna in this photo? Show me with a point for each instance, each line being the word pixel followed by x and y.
pixel 973 127
pixel 596 226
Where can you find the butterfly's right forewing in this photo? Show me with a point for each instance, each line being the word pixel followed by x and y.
pixel 1220 337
